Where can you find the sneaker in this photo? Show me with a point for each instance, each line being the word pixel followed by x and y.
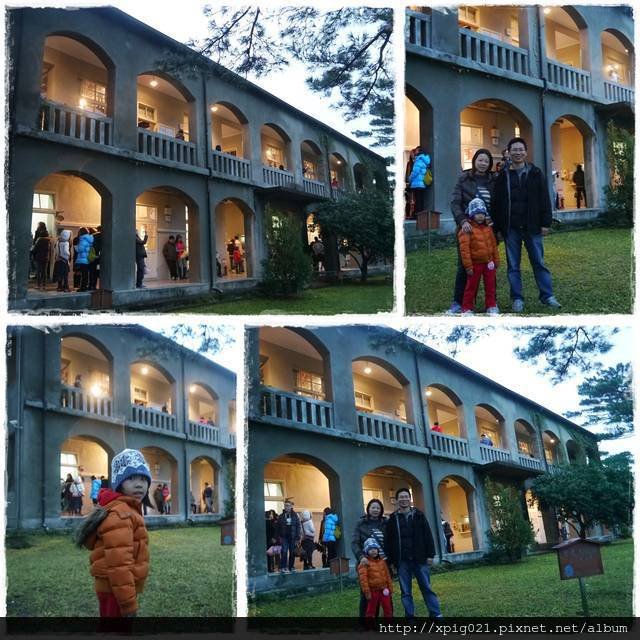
pixel 493 311
pixel 518 305
pixel 552 302
pixel 454 309
pixel 292 570
pixel 468 312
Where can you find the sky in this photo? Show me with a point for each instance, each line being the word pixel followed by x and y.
pixel 492 355
pixel 184 20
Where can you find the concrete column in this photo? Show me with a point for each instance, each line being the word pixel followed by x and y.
pixel 121 382
pixel 446 153
pixel 51 367
pixel 125 108
pixel 473 437
pixel 256 528
pixel 252 368
pixel 344 408
pixel 511 436
pixel 348 504
pixel 118 238
pixel 295 157
pixel 444 31
pixel 255 152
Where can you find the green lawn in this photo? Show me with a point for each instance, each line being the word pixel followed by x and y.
pixel 350 297
pixel 191 575
pixel 529 588
pixel 591 269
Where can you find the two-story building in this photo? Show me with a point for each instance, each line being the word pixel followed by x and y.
pixel 78 395
pixel 102 135
pixel 340 415
pixel 477 76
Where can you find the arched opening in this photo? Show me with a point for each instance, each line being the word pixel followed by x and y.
pixel 315 242
pixel 383 482
pixel 617 58
pixel 81 457
pixel 551 444
pixel 418 132
pixel 574 170
pixel 312 164
pixel 338 173
pixel 457 507
pixel 153 399
pixel 526 440
pixel 566 37
pixel 490 423
pixel 204 494
pixel 490 124
pixel 85 376
pixel 234 239
pixel 169 219
pixel 73 203
pixel 360 177
pixel 165 107
pixel 275 147
pixel 536 518
pixel 445 411
pixel 77 74
pixel 575 454
pixel 311 485
pixel 229 133
pixel 506 24
pixel 203 404
pixel 232 422
pixel 380 389
pixel 164 472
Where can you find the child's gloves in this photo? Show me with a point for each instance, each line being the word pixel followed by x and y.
pixel 385 592
pixel 491 265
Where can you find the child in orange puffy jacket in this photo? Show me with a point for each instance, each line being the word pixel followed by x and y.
pixel 117 537
pixel 375 581
pixel 479 253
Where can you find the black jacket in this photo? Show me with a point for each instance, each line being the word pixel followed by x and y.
pixel 464 192
pixel 538 202
pixel 141 252
pixel 295 533
pixel 366 528
pixel 423 546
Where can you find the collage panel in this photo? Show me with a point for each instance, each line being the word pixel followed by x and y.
pixel 154 176
pixel 413 470
pixel 518 156
pixel 121 463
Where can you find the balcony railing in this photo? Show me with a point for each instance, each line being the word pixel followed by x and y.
pixel 449 445
pixel 153 418
pixel 385 428
pixel 531 463
pixel 82 400
pixel 164 147
pixel 486 50
pixel 230 166
pixel 277 177
pixel 294 408
pixel 75 123
pixel 231 439
pixel 494 454
pixel 569 78
pixel 338 193
pixel 314 187
pixel 614 92
pixel 204 432
pixel 418 29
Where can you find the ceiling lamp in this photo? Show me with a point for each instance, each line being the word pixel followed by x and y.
pixel 428 393
pixel 145 370
pixel 546 11
pixel 154 83
pixel 367 369
pixel 192 388
pixel 214 108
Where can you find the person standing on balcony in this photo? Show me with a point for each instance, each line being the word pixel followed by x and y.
pixel 289 532
pixel 486 440
pixel 85 242
pixel 417 185
pixel 436 427
pixel 141 254
pixel 170 255
pixel 409 547
pixel 181 262
pixel 522 215
pixel 578 180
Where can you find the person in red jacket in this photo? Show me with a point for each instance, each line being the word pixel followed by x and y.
pixel 479 254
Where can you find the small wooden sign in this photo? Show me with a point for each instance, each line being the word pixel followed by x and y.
pixel 579 558
pixel 339 566
pixel 227 531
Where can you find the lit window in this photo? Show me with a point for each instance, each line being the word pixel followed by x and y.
pixel 364 402
pixel 43 201
pixel 93 96
pixel 273 496
pixel 68 464
pixel 309 384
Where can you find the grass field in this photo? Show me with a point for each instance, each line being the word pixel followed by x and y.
pixel 191 575
pixel 349 297
pixel 591 269
pixel 529 588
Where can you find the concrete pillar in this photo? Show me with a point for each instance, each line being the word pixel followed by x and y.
pixel 121 382
pixel 51 367
pixel 473 437
pixel 255 154
pixel 295 165
pixel 252 368
pixel 444 31
pixel 344 407
pixel 118 238
pixel 125 108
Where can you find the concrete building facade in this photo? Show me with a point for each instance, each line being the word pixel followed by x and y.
pixel 477 76
pixel 100 133
pixel 78 395
pixel 340 415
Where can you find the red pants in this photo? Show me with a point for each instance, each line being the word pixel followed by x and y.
pixel 376 600
pixel 109 607
pixel 473 282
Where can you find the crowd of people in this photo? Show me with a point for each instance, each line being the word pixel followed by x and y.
pixel 510 205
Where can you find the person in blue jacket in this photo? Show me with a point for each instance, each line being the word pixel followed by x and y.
pixel 85 242
pixel 328 535
pixel 421 164
pixel 96 485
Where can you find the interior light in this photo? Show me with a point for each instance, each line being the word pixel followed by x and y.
pixel 192 388
pixel 367 369
pixel 96 391
pixel 83 103
pixel 547 11
pixel 214 108
pixel 154 83
pixel 428 393
pixel 339 161
pixel 145 370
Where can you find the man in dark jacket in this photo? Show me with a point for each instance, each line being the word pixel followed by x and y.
pixel 170 254
pixel 94 267
pixel 289 531
pixel 141 254
pixel 522 214
pixel 409 547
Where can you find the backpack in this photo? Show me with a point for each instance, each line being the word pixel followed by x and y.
pixel 428 178
pixel 92 254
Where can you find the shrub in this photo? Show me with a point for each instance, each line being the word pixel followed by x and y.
pixel 619 193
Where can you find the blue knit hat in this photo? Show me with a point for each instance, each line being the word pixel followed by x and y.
pixel 477 205
pixel 126 464
pixel 370 543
